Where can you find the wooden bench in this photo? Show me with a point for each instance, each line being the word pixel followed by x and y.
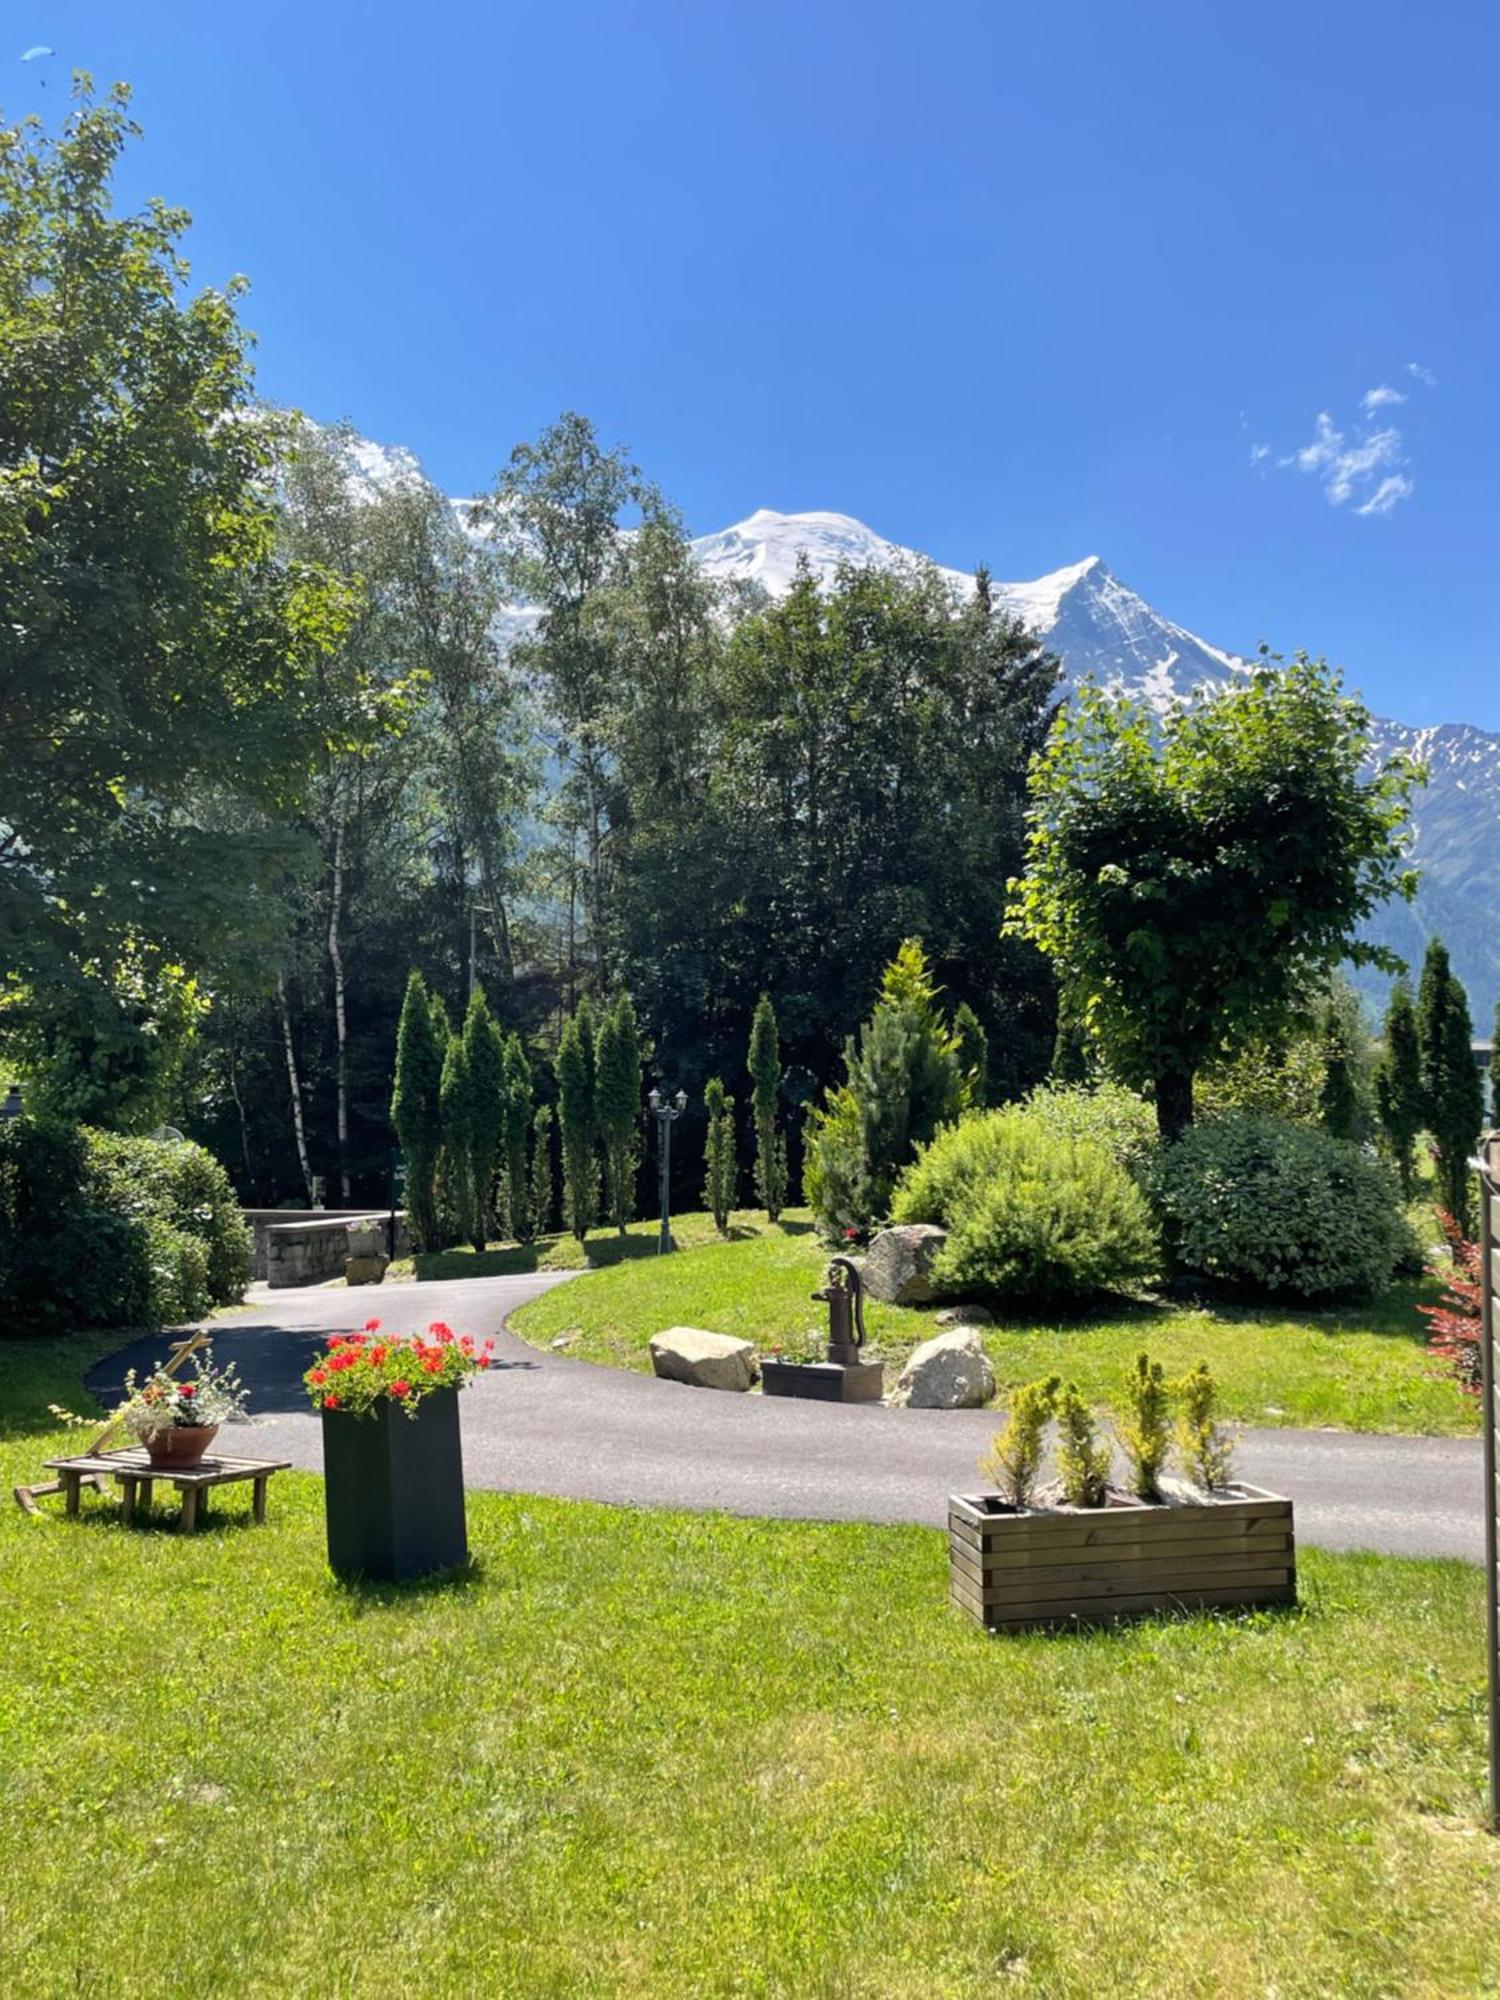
pixel 136 1475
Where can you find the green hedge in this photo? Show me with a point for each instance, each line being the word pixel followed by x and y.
pixel 1031 1214
pixel 99 1230
pixel 1275 1207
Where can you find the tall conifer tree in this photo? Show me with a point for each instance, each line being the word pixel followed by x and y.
pixel 1398 1084
pixel 577 1118
pixel 719 1175
pixel 617 1081
pixel 764 1065
pixel 518 1094
pixel 416 1106
pixel 484 1053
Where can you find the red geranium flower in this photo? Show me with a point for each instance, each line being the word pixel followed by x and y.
pixel 330 1402
pixel 372 1326
pixel 188 1388
pixel 320 1375
pixel 401 1388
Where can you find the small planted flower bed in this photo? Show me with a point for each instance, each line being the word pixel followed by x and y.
pixel 393 1479
pixel 1091 1552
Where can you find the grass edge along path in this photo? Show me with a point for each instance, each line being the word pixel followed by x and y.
pixel 634 1754
pixel 1357 1367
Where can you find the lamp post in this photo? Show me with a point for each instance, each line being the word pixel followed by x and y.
pixel 667 1115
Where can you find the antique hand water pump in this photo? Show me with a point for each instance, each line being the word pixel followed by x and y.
pixel 844 1294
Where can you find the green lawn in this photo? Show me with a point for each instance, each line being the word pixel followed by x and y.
pixel 1361 1368
pixel 563 1252
pixel 656 1755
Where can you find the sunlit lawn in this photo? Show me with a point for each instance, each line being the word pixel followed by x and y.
pixel 1362 1367
pixel 658 1755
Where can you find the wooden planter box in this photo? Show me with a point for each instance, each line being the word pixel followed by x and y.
pixel 824 1381
pixel 1084 1565
pixel 393 1490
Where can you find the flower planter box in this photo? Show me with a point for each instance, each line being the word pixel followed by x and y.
pixel 1085 1565
pixel 824 1381
pixel 393 1490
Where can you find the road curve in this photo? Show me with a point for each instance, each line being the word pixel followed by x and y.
pixel 542 1423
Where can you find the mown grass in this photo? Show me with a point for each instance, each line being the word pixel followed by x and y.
pixel 562 1251
pixel 636 1754
pixel 1358 1368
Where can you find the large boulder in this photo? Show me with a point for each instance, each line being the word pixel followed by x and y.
pixel 898 1269
pixel 949 1372
pixel 963 1316
pixel 706 1360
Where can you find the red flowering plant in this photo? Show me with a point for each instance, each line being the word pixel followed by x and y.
pixel 359 1370
pixel 1455 1326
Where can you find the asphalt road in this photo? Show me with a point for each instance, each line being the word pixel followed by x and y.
pixel 542 1423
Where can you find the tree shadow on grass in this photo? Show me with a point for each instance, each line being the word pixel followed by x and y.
pixel 511 1260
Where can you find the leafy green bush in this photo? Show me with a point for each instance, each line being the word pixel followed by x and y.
pixel 184 1186
pixel 1278 1207
pixel 1029 1214
pixel 1103 1114
pixel 100 1230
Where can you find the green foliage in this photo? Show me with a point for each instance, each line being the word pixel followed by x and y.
pixel 458 1111
pixel 578 1121
pixel 1102 1114
pixel 1341 1113
pixel 1205 1452
pixel 1142 1426
pixel 1452 1087
pixel 764 1065
pixel 518 1096
pixel 903 1085
pixel 542 1202
pixel 972 1046
pixel 416 1107
pixel 162 707
pixel 1192 877
pixel 1030 1214
pixel 101 1230
pixel 1082 1455
pixel 617 1068
pixel 1015 1458
pixel 1279 1208
pixel 720 1169
pixel 484 1056
pixel 1399 1101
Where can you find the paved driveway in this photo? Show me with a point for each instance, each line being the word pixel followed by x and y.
pixel 542 1423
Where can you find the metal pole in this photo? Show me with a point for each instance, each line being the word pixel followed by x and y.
pixel 664 1155
pixel 1489 1272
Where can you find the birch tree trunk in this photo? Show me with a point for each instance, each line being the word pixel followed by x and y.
pixel 340 1025
pixel 295 1082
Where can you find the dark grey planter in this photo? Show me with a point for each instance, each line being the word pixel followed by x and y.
pixel 393 1490
pixel 824 1381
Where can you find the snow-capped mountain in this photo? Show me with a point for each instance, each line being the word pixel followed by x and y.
pixel 1099 627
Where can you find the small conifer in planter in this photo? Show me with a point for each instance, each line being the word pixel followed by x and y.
pixel 1088 1551
pixel 393 1482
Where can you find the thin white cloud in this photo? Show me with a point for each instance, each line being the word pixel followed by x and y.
pixel 1364 469
pixel 1259 454
pixel 1394 488
pixel 1421 374
pixel 1378 399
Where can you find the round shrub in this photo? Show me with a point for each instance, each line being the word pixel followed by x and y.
pixel 1277 1207
pixel 182 1185
pixel 179 1266
pixel 1030 1215
pixel 1101 1114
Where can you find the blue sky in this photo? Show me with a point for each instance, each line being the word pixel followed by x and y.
pixel 1010 283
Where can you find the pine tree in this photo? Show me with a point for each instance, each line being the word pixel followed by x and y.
pixel 973 1053
pixel 1452 1089
pixel 719 1166
pixel 577 1118
pixel 1398 1085
pixel 459 1125
pixel 518 1093
pixel 542 1205
pixel 416 1107
pixel 617 1075
pixel 484 1052
pixel 770 1146
pixel 1338 1099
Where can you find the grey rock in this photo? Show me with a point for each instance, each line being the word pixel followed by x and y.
pixel 364 1270
pixel 963 1316
pixel 706 1360
pixel 949 1372
pixel 898 1269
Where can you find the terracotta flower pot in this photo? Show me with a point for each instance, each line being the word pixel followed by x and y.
pixel 183 1444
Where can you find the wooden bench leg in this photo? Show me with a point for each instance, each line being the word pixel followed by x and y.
pixel 143 1497
pixel 189 1507
pixel 260 1498
pixel 71 1491
pixel 127 1499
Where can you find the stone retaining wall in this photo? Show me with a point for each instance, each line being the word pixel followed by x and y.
pixel 305 1246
